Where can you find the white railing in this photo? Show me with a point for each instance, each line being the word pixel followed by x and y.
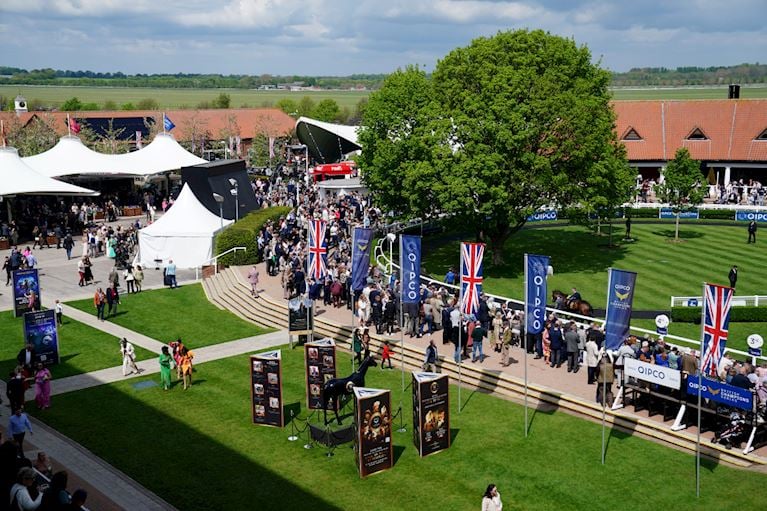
pixel 739 301
pixel 214 260
pixel 385 264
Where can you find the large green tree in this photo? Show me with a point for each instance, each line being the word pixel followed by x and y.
pixel 508 125
pixel 682 184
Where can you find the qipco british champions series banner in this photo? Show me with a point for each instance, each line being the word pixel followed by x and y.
pixel 40 331
pixel 620 297
pixel 410 264
pixel 300 316
pixel 320 367
pixel 431 413
pixel 361 241
pixel 266 388
pixel 536 269
pixel 26 292
pixel 375 451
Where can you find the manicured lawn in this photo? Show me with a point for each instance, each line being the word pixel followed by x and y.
pixel 737 334
pixel 165 314
pixel 82 349
pixel 199 450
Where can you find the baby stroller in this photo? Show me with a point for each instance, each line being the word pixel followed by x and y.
pixel 733 433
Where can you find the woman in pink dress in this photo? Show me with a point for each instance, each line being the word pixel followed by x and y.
pixel 42 387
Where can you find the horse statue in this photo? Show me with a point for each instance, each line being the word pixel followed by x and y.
pixel 336 387
pixel 577 306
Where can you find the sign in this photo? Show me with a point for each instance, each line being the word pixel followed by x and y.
pixel 40 331
pixel 536 269
pixel 410 263
pixel 755 352
pixel 300 316
pixel 373 442
pixel 362 239
pixel 661 324
pixel 431 412
pixel 669 213
pixel 722 393
pixel 754 341
pixel 320 357
pixel 620 296
pixel 664 376
pixel 542 216
pixel 692 302
pixel 747 216
pixel 26 291
pixel 266 388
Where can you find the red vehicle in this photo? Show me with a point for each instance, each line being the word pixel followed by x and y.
pixel 340 170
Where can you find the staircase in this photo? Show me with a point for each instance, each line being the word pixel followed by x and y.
pixel 229 290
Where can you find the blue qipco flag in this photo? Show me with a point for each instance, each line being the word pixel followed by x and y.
pixel 536 269
pixel 410 263
pixel 620 297
pixel 361 241
pixel 167 124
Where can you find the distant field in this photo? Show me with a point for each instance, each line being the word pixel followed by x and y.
pixel 190 98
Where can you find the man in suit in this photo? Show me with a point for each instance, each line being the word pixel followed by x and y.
pixel 733 276
pixel 752 231
pixel 26 357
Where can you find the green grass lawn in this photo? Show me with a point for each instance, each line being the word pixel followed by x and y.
pixel 82 349
pixel 199 450
pixel 165 314
pixel 720 92
pixel 737 334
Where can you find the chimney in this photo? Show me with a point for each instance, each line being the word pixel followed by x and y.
pixel 733 91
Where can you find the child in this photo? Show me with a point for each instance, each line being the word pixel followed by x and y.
pixel 386 355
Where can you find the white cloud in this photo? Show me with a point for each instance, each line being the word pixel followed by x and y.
pixel 246 13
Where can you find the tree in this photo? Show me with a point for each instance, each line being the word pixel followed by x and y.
pixel 148 104
pixel 222 101
pixel 112 141
pixel 72 105
pixel 681 187
pixel 287 105
pixel 504 127
pixel 305 106
pixel 326 110
pixel 37 136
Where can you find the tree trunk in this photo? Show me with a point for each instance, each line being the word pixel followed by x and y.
pixel 498 237
pixel 676 235
pixel 610 239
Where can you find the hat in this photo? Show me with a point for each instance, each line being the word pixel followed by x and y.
pixel 645 344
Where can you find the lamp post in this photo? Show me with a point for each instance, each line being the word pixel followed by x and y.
pixel 391 237
pixel 235 192
pixel 220 200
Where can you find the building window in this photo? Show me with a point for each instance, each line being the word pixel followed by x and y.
pixel 631 134
pixel 762 135
pixel 697 134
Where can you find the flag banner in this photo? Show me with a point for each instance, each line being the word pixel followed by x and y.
pixel 410 266
pixel 362 239
pixel 320 357
pixel 620 297
pixel 167 124
pixel 374 446
pixel 665 376
pixel 74 126
pixel 40 331
pixel 300 316
pixel 266 388
pixel 231 144
pixel 723 393
pixel 431 412
pixel 26 291
pixel 536 269
pixel 669 213
pixel 271 147
pixel 317 265
pixel 238 145
pixel 748 216
pixel 716 322
pixel 139 143
pixel 542 216
pixel 471 276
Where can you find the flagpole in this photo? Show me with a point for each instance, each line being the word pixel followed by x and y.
pixel 351 286
pixel 460 331
pixel 700 390
pixel 401 330
pixel 524 342
pixel 604 378
pixel 163 122
pixel 69 125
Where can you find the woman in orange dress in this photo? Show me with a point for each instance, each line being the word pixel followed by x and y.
pixel 186 366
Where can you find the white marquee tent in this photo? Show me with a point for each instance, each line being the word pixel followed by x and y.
pixel 184 234
pixel 16 178
pixel 71 157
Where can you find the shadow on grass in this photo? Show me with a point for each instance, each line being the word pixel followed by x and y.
pixel 398 450
pixel 453 435
pixel 683 234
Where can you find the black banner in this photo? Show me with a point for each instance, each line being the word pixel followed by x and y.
pixel 26 292
pixel 431 412
pixel 300 317
pixel 266 388
pixel 373 442
pixel 320 359
pixel 40 331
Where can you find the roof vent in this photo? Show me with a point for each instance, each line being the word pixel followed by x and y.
pixel 733 91
pixel 697 134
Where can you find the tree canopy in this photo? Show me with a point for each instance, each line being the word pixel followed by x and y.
pixel 506 126
pixel 681 187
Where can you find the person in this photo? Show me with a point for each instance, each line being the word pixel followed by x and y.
pixel 575 295
pixel 56 495
pixel 253 279
pixel 81 271
pixel 497 324
pixel 43 464
pixel 138 276
pixel 18 425
pixel 357 345
pixel 571 344
pixel 170 274
pixel 592 358
pixel 68 245
pixel 129 357
pixel 365 343
pixel 751 232
pixel 88 270
pixel 14 390
pixel 733 276
pixel 26 358
pixel 129 279
pixel 491 500
pixel 59 308
pixel 113 300
pixel 477 336
pixel 165 365
pixel 24 493
pixel 78 499
pixel 430 360
pixel 42 387
pixel 507 337
pixel 628 228
pixel 605 378
pixel 186 366
pixel 450 276
pixel 99 301
pixel 8 269
pixel 386 355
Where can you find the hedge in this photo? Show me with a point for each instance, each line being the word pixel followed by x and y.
pixel 744 314
pixel 244 233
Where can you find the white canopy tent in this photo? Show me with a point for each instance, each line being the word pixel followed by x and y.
pixel 17 178
pixel 184 234
pixel 71 157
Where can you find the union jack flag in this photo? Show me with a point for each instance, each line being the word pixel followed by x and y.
pixel 716 321
pixel 471 276
pixel 318 249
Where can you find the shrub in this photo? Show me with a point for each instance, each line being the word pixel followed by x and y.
pixel 717 214
pixel 744 314
pixel 244 234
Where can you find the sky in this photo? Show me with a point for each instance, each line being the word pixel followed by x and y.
pixel 343 37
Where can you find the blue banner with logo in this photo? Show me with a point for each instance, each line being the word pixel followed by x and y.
pixel 26 291
pixel 542 216
pixel 620 297
pixel 410 264
pixel 747 216
pixel 40 331
pixel 536 269
pixel 361 241
pixel 669 213
pixel 728 395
